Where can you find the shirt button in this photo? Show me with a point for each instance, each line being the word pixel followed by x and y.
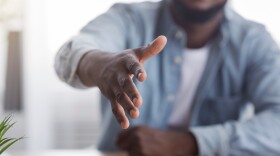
pixel 178 35
pixel 170 98
pixel 177 60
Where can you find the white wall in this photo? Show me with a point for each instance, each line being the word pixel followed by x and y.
pixel 263 11
pixel 37 75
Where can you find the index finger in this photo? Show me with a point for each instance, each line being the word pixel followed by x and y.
pixel 119 114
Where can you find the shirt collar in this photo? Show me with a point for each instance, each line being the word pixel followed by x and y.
pixel 166 23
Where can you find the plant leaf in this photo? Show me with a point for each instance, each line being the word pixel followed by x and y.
pixel 10 144
pixel 5 140
pixel 4 122
pixel 5 125
pixel 6 129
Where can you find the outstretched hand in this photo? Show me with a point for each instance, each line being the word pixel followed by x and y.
pixel 113 73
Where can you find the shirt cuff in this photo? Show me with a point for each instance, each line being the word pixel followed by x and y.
pixel 68 59
pixel 74 79
pixel 211 140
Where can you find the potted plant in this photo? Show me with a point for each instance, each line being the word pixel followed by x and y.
pixel 6 142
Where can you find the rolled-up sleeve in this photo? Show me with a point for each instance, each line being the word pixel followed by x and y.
pixel 67 60
pixel 260 134
pixel 212 140
pixel 108 32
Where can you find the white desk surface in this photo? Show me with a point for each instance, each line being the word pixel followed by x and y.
pixel 64 153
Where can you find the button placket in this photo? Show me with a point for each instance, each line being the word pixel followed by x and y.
pixel 178 60
pixel 178 35
pixel 170 98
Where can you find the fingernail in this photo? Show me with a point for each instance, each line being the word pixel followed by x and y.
pixel 139 74
pixel 123 125
pixel 134 100
pixel 132 112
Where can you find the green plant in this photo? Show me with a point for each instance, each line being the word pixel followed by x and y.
pixel 5 143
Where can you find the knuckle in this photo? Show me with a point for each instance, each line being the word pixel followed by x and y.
pixel 130 56
pixel 132 94
pixel 107 75
pixel 129 88
pixel 122 54
pixel 122 81
pixel 119 96
pixel 126 107
pixel 124 57
pixel 132 65
pixel 137 71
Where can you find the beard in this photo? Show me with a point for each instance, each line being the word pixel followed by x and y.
pixel 196 16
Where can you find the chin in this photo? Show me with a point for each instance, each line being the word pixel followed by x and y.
pixel 201 4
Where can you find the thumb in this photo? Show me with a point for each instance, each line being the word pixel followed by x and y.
pixel 153 49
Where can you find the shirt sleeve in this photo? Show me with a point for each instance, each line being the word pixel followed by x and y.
pixel 108 32
pixel 260 134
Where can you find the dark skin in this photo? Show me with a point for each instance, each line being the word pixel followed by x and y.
pixel 199 34
pixel 112 74
pixel 145 141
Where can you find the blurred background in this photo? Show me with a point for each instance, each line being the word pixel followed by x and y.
pixel 48 112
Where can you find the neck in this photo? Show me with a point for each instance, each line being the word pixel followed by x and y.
pixel 198 34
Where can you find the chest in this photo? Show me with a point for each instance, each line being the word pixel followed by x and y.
pixel 220 92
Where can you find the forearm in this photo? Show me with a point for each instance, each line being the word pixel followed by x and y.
pixel 68 58
pixel 257 136
pixel 95 35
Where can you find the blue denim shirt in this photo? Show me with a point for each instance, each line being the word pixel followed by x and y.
pixel 243 67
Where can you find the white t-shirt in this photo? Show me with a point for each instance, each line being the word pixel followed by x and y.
pixel 194 61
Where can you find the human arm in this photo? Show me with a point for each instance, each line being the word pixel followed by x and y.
pixel 98 56
pixel 107 32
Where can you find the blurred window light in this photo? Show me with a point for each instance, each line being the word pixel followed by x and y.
pixel 11 15
pixel 266 12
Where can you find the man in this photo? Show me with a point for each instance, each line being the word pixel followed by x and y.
pixel 195 84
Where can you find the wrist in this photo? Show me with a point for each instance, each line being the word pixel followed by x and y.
pixel 186 144
pixel 193 146
pixel 89 67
